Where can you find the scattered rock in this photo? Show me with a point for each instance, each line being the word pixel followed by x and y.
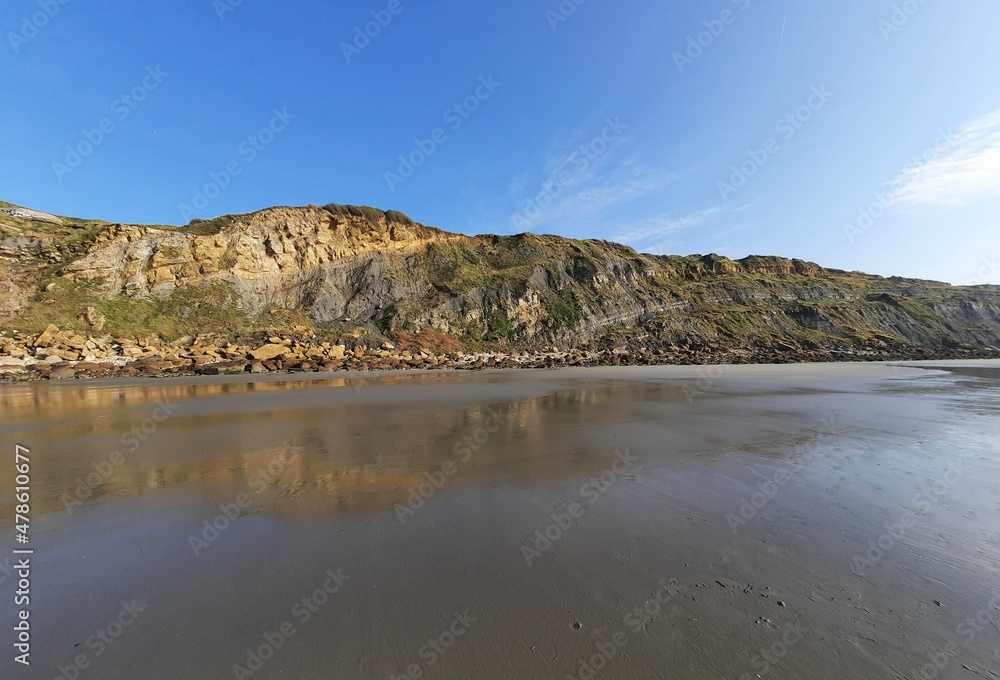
pixel 268 352
pixel 231 367
pixel 55 353
pixel 91 317
pixel 47 336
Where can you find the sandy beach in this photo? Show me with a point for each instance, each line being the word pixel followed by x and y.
pixel 797 521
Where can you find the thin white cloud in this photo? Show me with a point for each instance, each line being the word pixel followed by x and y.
pixel 656 227
pixel 586 198
pixel 649 235
pixel 571 187
pixel 965 172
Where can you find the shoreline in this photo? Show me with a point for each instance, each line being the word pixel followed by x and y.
pixel 359 379
pixel 58 354
pixel 397 364
pixel 167 363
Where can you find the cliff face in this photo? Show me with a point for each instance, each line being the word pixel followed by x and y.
pixel 364 273
pixel 329 262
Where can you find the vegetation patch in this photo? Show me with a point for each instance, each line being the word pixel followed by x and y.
pixel 458 268
pixel 228 260
pixel 498 325
pixel 208 307
pixel 565 311
pixel 741 323
pixel 427 340
pixel 170 252
pixel 59 306
pixel 371 215
pixel 814 339
pixel 189 311
pixel 199 227
pixel 617 334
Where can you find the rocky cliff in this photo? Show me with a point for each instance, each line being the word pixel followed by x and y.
pixel 360 275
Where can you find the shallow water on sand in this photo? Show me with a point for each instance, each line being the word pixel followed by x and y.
pixel 656 522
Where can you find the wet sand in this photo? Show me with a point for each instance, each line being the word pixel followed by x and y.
pixel 798 521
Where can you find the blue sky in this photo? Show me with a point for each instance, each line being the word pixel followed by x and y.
pixel 860 134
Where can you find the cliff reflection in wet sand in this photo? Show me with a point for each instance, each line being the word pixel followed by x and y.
pixel 325 450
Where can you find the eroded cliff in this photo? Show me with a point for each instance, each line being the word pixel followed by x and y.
pixel 361 274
